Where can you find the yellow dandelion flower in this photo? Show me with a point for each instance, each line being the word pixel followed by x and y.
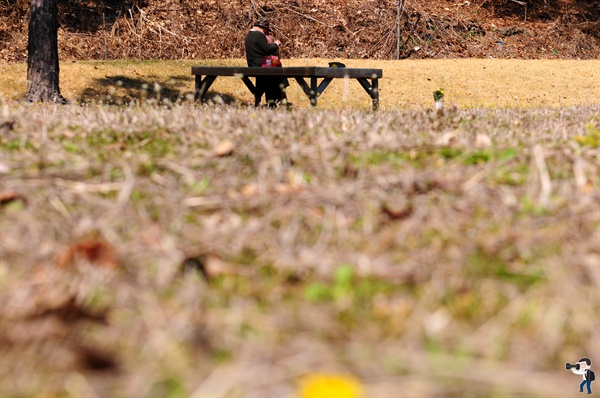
pixel 322 385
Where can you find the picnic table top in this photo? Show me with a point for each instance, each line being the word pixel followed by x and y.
pixel 289 71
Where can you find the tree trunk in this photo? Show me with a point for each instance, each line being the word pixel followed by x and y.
pixel 42 53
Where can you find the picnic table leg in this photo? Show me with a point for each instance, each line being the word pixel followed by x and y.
pixel 375 93
pixel 252 89
pixel 323 85
pixel 303 85
pixel 315 89
pixel 197 88
pixel 372 89
pixel 202 86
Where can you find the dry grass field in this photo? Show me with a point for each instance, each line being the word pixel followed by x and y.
pixel 406 84
pixel 178 250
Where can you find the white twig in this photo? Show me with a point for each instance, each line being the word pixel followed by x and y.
pixel 545 183
pixel 126 187
pixel 307 16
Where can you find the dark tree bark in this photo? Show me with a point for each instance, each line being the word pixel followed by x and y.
pixel 42 53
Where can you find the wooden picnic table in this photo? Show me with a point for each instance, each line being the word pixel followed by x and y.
pixel 367 77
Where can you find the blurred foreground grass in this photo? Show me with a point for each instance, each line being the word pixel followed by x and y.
pixel 406 84
pixel 228 252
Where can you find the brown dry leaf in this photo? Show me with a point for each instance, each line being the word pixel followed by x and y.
pixel 225 148
pixel 194 263
pixel 287 188
pixel 70 311
pixel 350 170
pixel 425 186
pixel 398 209
pixel 447 138
pixel 483 141
pixel 216 266
pixel 119 146
pixel 9 197
pixel 95 359
pixel 7 126
pixel 249 190
pixel 209 265
pixel 94 251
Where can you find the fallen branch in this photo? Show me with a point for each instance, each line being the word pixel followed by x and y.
pixel 307 17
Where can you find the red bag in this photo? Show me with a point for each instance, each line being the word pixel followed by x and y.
pixel 271 61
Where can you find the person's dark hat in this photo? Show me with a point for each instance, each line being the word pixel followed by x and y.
pixel 263 23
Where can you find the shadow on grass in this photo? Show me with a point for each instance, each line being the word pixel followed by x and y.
pixel 125 90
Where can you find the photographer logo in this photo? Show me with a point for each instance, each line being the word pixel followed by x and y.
pixel 583 367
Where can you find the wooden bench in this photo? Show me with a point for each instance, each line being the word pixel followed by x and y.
pixel 368 78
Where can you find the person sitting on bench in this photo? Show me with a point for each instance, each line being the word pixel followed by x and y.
pixel 259 44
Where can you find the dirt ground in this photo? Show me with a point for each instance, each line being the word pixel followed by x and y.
pixel 192 29
pixel 406 84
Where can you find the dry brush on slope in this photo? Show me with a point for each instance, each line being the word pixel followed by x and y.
pixel 170 29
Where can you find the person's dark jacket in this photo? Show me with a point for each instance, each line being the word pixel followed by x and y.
pixel 590 375
pixel 257 47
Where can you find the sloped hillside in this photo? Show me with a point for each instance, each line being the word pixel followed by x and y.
pixel 150 29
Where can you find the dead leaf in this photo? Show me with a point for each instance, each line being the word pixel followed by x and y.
pixel 209 265
pixel 350 170
pixel 483 141
pixel 71 311
pixel 422 187
pixel 118 147
pixel 194 263
pixel 287 188
pixel 94 251
pixel 9 197
pixel 225 148
pixel 398 209
pixel 447 138
pixel 95 359
pixel 216 266
pixel 249 190
pixel 7 126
